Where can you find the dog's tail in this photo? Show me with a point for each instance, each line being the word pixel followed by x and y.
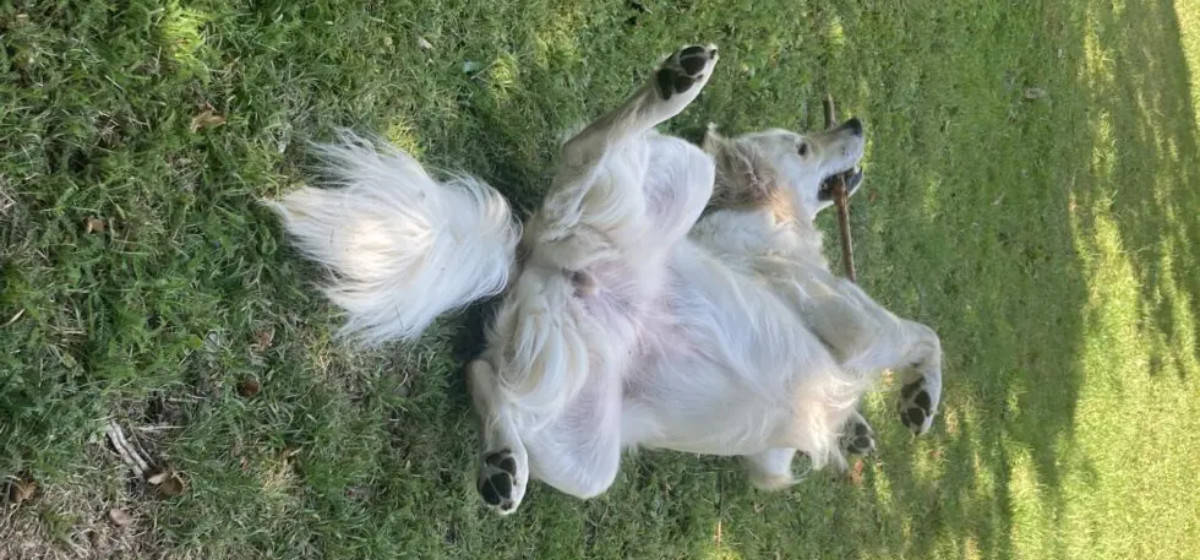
pixel 402 247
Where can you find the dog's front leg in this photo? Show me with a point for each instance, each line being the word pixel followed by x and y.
pixel 674 85
pixel 921 389
pixel 914 352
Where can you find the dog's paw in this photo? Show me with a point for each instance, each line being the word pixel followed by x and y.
pixel 498 481
pixel 858 438
pixel 916 407
pixel 685 72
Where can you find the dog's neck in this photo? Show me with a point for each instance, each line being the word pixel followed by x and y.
pixel 746 182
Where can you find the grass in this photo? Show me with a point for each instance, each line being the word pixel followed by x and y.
pixel 1033 180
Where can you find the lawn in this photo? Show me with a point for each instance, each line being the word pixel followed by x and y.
pixel 1032 192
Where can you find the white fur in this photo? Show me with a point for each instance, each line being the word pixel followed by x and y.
pixel 403 248
pixel 633 321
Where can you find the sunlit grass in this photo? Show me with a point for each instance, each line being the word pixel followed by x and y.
pixel 183 38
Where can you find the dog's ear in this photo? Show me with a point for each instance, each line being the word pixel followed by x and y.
pixel 745 177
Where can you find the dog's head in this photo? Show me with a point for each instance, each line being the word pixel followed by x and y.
pixel 754 166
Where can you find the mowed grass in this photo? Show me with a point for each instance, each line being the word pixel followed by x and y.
pixel 1033 193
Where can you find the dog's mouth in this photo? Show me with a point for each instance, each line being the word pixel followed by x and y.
pixel 853 177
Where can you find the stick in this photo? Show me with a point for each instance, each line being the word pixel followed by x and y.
pixel 841 199
pixel 127 452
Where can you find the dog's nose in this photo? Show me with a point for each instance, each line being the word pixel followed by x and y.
pixel 854 126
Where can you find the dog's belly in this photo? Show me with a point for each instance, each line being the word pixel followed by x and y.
pixel 723 372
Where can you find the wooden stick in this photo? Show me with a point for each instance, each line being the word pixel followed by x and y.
pixel 841 200
pixel 127 452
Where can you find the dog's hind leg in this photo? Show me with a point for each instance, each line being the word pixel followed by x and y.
pixel 580 453
pixel 503 462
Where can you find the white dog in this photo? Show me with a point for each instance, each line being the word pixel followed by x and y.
pixel 630 317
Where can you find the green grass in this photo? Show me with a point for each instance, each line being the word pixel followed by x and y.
pixel 1032 193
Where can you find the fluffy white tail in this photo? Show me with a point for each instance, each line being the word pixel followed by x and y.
pixel 403 248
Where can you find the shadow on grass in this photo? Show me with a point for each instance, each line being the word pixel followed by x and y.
pixel 1148 105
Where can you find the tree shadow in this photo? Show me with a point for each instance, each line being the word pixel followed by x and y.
pixel 1148 104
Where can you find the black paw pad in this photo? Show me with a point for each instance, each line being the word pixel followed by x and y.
pixel 502 460
pixel 498 477
pixel 858 440
pixel 693 59
pixel 916 406
pixel 495 488
pixel 915 409
pixel 860 446
pixel 682 70
pixel 915 416
pixel 682 83
pixel 664 80
pixel 670 81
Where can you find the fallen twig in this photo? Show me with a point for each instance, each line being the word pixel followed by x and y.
pixel 128 453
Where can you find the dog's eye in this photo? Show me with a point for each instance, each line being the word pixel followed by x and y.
pixel 803 148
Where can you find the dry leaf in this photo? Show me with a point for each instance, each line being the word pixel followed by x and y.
pixel 855 474
pixel 94 225
pixel 249 387
pixel 208 118
pixel 159 477
pixel 119 518
pixel 1034 93
pixel 22 489
pixel 263 338
pixel 168 483
pixel 173 486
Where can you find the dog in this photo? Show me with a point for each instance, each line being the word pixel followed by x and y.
pixel 664 296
